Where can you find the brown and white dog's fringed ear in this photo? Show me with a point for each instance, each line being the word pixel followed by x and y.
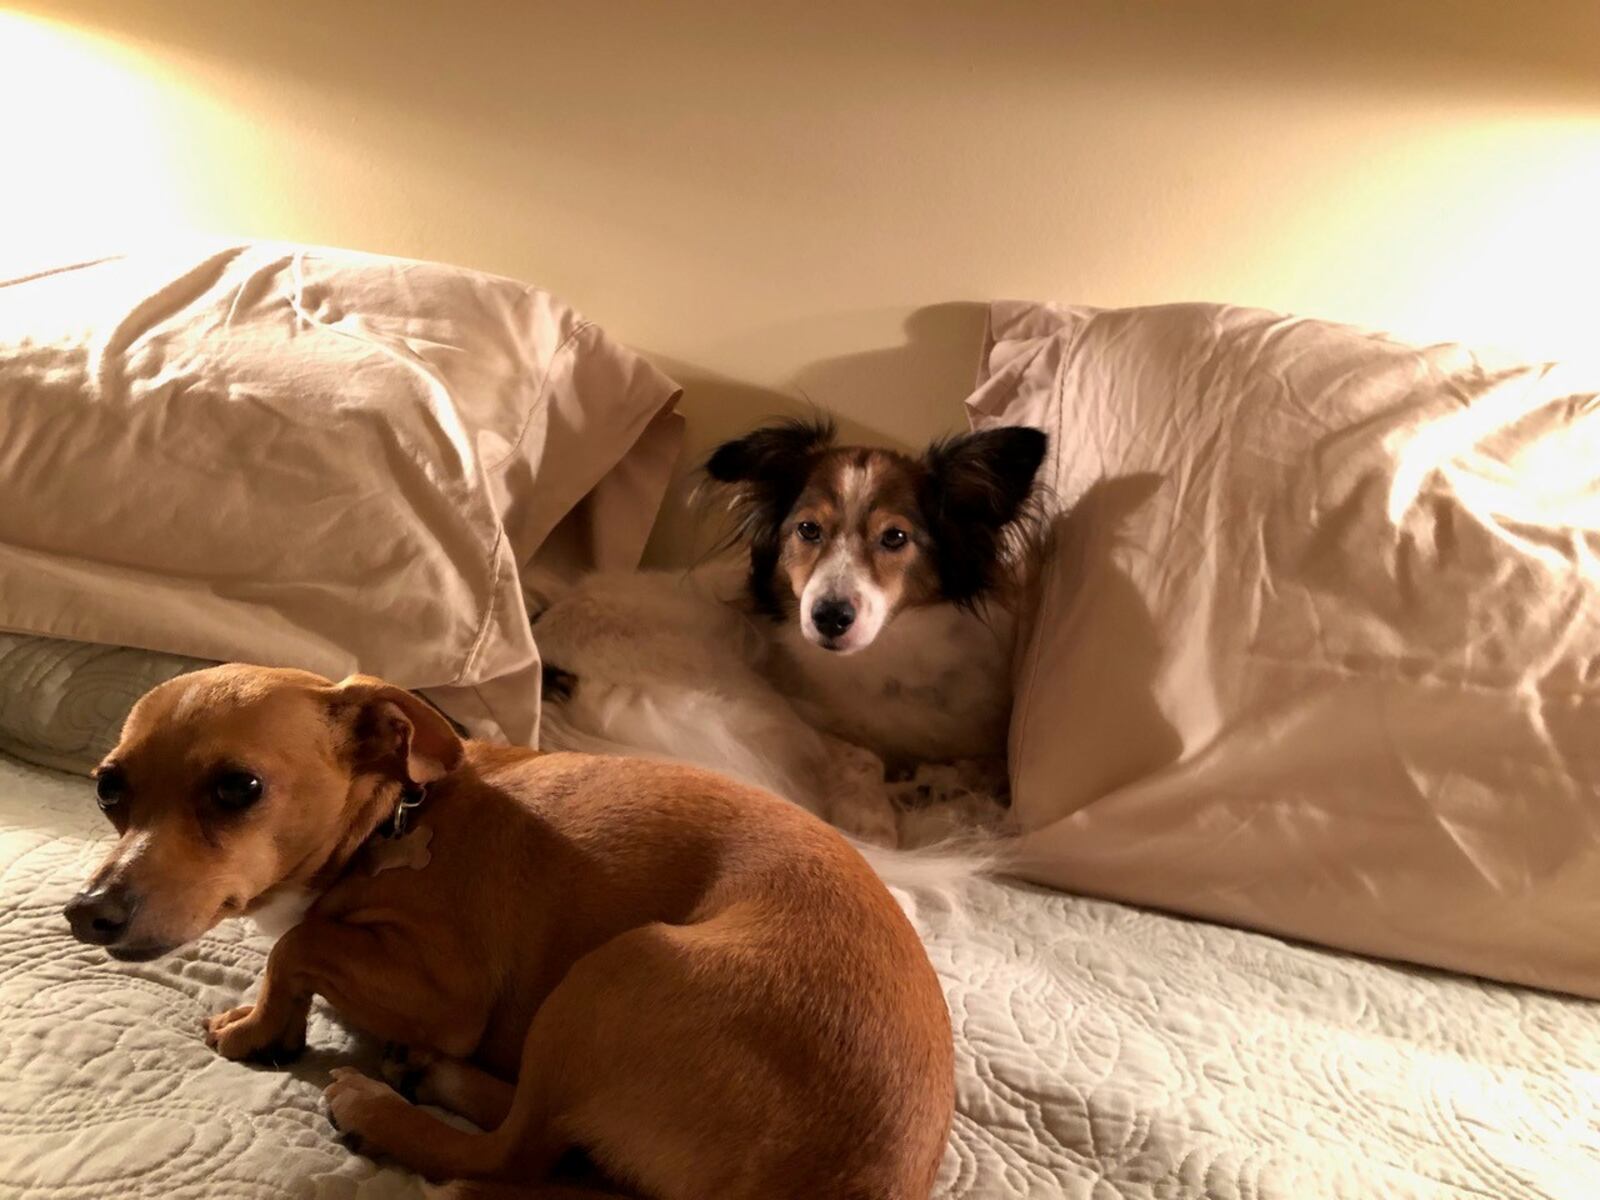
pixel 977 486
pixel 776 451
pixel 388 727
pixel 762 474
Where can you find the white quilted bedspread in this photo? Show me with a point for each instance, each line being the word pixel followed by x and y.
pixel 1103 1052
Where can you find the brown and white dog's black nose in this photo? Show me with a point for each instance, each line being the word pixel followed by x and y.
pixel 100 916
pixel 832 616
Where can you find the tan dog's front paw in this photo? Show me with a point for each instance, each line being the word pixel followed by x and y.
pixel 356 1102
pixel 240 1034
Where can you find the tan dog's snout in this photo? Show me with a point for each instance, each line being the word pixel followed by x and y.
pixel 158 888
pixel 101 914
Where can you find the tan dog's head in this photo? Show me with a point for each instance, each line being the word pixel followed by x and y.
pixel 845 537
pixel 232 781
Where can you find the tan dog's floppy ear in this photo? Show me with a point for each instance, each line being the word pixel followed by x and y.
pixel 387 724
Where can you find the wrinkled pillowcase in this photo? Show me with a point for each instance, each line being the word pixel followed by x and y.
pixel 1317 647
pixel 319 459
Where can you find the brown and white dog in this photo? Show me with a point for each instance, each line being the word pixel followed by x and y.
pixel 700 987
pixel 867 635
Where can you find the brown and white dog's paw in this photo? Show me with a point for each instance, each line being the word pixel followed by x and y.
pixel 978 783
pixel 874 821
pixel 240 1034
pixel 860 805
pixel 938 801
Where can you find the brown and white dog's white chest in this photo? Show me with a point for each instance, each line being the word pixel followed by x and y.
pixel 934 685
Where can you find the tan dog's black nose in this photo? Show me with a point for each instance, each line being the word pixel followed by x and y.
pixel 100 916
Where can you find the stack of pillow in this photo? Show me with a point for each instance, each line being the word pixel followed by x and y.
pixel 305 458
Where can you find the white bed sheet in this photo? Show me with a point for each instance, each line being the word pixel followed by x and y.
pixel 1103 1052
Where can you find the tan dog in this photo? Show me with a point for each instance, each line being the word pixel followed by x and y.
pixel 703 988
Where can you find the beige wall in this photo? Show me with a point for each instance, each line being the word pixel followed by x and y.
pixel 814 197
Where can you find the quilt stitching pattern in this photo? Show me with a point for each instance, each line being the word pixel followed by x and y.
pixel 1103 1053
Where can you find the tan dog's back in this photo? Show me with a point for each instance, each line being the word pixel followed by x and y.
pixel 766 1023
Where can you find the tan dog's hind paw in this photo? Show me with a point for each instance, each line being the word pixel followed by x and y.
pixel 406 1070
pixel 426 1077
pixel 357 1102
pixel 240 1034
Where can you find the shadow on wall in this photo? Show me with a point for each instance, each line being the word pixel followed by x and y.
pixel 938 361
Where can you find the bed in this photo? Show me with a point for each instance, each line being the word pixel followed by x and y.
pixel 1103 1051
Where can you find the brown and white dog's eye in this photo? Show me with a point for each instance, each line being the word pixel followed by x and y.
pixel 809 531
pixel 110 787
pixel 234 790
pixel 893 538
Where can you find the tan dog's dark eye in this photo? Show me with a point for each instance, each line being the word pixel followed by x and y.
pixel 809 531
pixel 234 790
pixel 893 539
pixel 110 787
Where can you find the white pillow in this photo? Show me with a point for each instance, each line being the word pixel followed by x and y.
pixel 314 458
pixel 1318 649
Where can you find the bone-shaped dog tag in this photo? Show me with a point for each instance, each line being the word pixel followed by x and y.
pixel 401 852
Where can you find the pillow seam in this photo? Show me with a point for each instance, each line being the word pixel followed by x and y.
pixel 496 566
pixel 540 397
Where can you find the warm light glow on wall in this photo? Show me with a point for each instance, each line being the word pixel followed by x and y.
pixel 89 162
pixel 818 202
pixel 1490 234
